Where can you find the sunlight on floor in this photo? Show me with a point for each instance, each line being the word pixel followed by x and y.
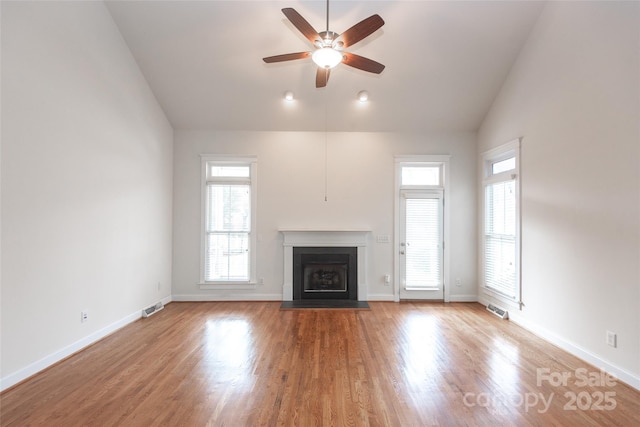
pixel 503 367
pixel 229 352
pixel 420 350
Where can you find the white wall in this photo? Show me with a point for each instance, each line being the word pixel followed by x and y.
pixel 574 95
pixel 86 184
pixel 291 195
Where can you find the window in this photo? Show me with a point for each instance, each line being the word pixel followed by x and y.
pixel 503 165
pixel 228 226
pixel 424 175
pixel 501 237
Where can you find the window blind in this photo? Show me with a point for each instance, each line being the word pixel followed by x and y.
pixel 423 243
pixel 500 238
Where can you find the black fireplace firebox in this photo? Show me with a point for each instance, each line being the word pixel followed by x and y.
pixel 325 273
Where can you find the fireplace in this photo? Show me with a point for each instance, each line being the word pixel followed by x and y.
pixel 328 240
pixel 325 273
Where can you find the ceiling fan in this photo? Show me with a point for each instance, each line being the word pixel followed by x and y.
pixel 329 45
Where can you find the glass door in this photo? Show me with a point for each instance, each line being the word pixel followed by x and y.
pixel 421 244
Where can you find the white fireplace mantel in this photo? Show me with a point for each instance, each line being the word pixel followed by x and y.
pixel 325 237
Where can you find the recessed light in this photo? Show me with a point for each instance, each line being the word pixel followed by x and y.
pixel 288 95
pixel 363 96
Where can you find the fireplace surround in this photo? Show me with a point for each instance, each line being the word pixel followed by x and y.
pixel 320 239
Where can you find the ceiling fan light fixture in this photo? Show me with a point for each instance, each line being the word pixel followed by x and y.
pixel 326 57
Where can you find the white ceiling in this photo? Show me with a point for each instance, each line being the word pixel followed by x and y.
pixel 445 62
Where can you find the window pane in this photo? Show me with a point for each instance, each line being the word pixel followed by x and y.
pixel 500 266
pixel 503 165
pixel 229 207
pixel 500 238
pixel 500 215
pixel 420 175
pixel 229 171
pixel 423 251
pixel 227 257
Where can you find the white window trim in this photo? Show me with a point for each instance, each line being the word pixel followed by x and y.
pixel 502 152
pixel 422 160
pixel 252 162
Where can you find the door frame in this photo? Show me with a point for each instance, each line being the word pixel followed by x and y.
pixel 426 160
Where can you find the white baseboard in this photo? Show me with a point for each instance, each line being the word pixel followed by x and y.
pixel 463 298
pixel 380 297
pixel 254 297
pixel 227 297
pixel 623 375
pixel 32 369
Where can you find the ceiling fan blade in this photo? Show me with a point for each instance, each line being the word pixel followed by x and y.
pixel 362 63
pixel 322 76
pixel 286 57
pixel 359 31
pixel 301 24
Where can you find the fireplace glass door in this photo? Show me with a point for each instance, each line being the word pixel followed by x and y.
pixel 321 277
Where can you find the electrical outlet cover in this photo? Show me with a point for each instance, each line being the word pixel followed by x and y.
pixel 611 339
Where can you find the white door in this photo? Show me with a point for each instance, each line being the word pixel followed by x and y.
pixel 421 244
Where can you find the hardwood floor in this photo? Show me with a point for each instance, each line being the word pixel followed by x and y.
pixel 250 364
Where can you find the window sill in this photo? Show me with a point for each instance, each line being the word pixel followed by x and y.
pixel 227 285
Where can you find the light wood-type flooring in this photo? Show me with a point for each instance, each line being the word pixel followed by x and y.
pixel 252 364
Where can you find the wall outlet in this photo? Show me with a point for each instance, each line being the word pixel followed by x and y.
pixel 84 316
pixel 458 282
pixel 612 339
pixel 159 286
pixel 387 279
pixel 261 281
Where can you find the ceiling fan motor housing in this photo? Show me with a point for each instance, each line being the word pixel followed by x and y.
pixel 327 38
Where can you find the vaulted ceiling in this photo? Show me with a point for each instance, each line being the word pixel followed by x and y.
pixel 445 62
